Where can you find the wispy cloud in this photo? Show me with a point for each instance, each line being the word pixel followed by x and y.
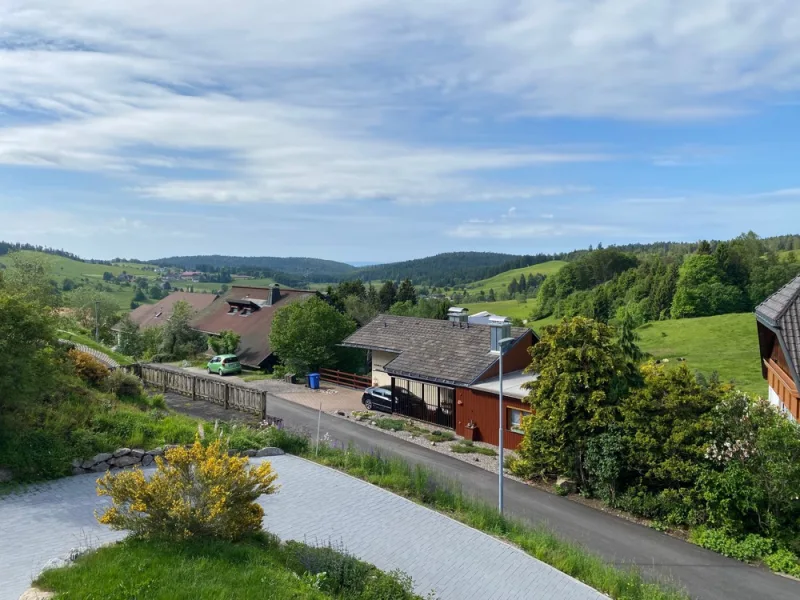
pixel 508 230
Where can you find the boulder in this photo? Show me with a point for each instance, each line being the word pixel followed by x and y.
pixel 100 467
pixel 122 452
pixel 136 453
pixel 88 463
pixel 35 594
pixel 156 452
pixel 78 471
pixel 77 463
pixel 269 452
pixel 127 461
pixel 565 485
pixel 6 475
pixel 148 459
pixel 102 457
pixel 340 413
pixel 249 453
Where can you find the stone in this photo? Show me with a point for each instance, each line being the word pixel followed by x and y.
pixel 170 447
pixel 6 475
pixel 122 452
pixel 100 467
pixel 249 453
pixel 126 461
pixel 433 443
pixel 156 452
pixel 340 413
pixel 147 460
pixel 136 453
pixel 35 594
pixel 269 452
pixel 77 463
pixel 565 485
pixel 372 423
pixel 87 464
pixel 102 457
pixel 359 419
pixel 78 471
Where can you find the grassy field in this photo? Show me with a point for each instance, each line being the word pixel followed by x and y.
pixel 727 344
pixel 504 308
pixel 500 282
pixel 63 268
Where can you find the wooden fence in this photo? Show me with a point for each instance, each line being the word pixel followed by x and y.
pixel 210 389
pixel 345 379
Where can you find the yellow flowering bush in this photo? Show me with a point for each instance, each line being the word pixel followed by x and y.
pixel 196 491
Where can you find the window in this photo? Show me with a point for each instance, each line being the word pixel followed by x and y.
pixel 515 419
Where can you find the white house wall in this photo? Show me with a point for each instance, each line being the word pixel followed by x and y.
pixel 379 361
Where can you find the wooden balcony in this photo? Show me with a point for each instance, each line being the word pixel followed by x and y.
pixel 784 387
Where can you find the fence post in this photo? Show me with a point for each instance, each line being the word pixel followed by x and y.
pixel 226 396
pixel 194 388
pixel 166 380
pixel 264 405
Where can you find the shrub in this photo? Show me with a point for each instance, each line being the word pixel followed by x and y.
pixel 124 385
pixel 199 491
pixel 88 368
pixel 750 548
pixel 784 561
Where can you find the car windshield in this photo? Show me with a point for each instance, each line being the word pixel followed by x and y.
pixel 228 361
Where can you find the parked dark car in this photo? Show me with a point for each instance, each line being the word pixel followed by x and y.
pixel 380 398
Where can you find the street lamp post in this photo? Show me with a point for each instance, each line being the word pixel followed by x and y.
pixel 501 413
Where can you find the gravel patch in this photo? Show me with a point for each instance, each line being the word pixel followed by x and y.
pixel 488 463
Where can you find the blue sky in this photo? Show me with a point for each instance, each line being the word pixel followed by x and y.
pixel 369 130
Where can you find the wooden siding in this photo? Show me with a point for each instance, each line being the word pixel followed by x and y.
pixel 781 383
pixel 481 409
pixel 516 358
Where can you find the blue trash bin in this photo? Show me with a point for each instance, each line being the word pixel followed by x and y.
pixel 313 381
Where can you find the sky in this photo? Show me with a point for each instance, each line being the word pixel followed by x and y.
pixel 373 130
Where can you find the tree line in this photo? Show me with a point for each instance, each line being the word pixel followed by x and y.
pixel 718 278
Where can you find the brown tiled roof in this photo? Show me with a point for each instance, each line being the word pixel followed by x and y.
pixel 431 349
pixel 150 315
pixel 254 328
pixel 781 313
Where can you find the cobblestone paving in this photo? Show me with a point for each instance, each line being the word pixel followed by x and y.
pixel 315 505
pixel 101 356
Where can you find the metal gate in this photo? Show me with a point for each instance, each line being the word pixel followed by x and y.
pixel 425 401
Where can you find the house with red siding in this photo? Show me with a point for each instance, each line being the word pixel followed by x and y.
pixel 446 372
pixel 778 319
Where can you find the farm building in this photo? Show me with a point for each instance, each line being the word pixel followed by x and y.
pixel 249 312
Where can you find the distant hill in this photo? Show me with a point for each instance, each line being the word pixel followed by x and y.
pixel 317 269
pixel 451 268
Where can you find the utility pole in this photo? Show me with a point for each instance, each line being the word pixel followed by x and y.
pixel 501 422
pixel 96 320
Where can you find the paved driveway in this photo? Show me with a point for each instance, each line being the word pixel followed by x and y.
pixel 316 505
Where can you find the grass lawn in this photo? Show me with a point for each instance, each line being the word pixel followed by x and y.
pixel 210 569
pixel 504 308
pixel 727 344
pixel 79 338
pixel 500 281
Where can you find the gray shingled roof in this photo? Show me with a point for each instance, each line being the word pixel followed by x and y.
pixel 430 349
pixel 781 313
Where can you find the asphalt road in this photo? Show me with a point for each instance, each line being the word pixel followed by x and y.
pixel 704 574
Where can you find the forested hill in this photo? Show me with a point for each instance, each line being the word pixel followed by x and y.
pixel 318 269
pixel 6 247
pixel 451 268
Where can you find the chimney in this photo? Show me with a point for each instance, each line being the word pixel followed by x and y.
pixel 500 328
pixel 456 314
pixel 274 295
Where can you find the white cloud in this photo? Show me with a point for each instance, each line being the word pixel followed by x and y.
pixel 507 230
pixel 295 100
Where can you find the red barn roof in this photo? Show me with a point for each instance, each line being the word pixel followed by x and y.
pixel 150 315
